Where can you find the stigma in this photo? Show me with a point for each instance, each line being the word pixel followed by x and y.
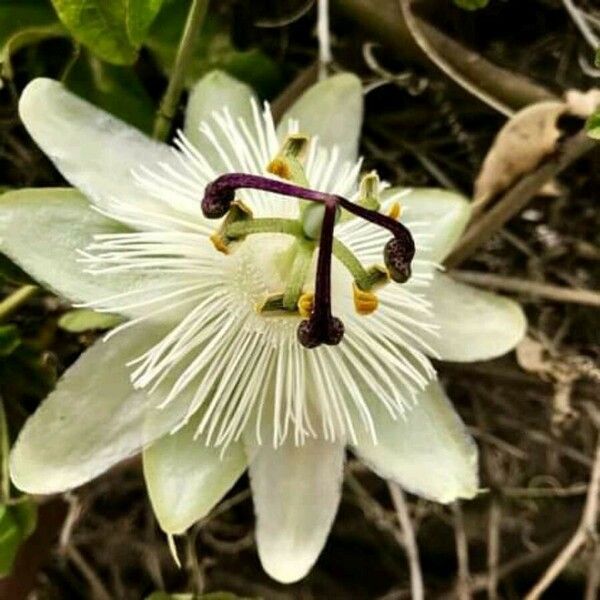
pixel 314 231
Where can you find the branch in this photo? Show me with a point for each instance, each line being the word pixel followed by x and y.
pixel 409 541
pixel 554 293
pixel 517 197
pixel 463 588
pixel 383 21
pixel 585 531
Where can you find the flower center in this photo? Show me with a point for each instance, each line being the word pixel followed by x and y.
pixel 314 229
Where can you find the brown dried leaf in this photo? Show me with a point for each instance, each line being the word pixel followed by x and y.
pixel 528 137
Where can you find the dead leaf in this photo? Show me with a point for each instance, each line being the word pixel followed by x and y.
pixel 526 139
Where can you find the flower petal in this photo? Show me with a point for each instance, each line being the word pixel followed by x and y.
pixel 215 91
pixel 186 478
pixel 474 324
pixel 92 420
pixel 42 229
pixel 333 110
pixel 445 215
pixel 296 492
pixel 95 151
pixel 429 453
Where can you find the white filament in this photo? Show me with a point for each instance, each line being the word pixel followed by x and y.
pixel 245 373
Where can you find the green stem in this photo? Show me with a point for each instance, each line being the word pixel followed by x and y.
pixel 168 105
pixel 15 300
pixel 302 259
pixel 4 451
pixel 239 229
pixel 347 258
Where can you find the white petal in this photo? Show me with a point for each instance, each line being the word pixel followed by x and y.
pixel 296 492
pixel 42 230
pixel 92 420
pixel 474 324
pixel 333 110
pixel 444 216
pixel 95 151
pixel 214 92
pixel 186 478
pixel 429 453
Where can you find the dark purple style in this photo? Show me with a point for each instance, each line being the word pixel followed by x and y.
pixel 322 327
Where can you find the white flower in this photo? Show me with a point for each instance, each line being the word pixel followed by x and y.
pixel 199 380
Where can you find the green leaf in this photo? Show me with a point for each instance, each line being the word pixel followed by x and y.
pixel 17 523
pixel 116 89
pixel 141 15
pixel 592 126
pixel 10 339
pixel 471 4
pixel 597 61
pixel 22 23
pixel 101 25
pixel 85 319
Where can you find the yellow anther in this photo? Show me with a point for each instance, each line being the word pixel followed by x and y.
pixel 219 243
pixel 280 167
pixel 395 211
pixel 365 302
pixel 306 304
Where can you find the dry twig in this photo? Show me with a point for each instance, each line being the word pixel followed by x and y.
pixel 546 291
pixel 585 531
pixel 517 197
pixel 410 542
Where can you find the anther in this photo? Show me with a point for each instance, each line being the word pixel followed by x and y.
pixel 365 302
pixel 306 303
pixel 395 211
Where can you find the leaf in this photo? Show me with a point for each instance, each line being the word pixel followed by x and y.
pixel 592 126
pixel 10 339
pixel 116 89
pixel 471 4
pixel 17 523
pixel 101 25
pixel 528 136
pixel 140 16
pixel 84 319
pixel 597 59
pixel 22 23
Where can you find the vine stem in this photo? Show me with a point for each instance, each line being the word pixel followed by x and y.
pixel 168 105
pixel 15 300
